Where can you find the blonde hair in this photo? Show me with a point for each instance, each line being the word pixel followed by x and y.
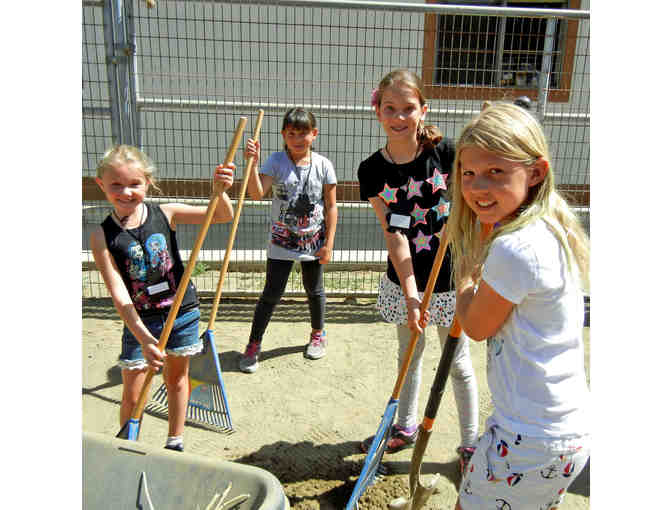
pixel 511 132
pixel 128 154
pixel 428 136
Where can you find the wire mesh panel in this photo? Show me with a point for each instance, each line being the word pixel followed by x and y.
pixel 197 66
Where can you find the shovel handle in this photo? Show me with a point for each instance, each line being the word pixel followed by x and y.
pixel 419 493
pixel 446 361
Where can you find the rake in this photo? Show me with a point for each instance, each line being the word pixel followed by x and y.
pixel 131 429
pixel 374 456
pixel 208 405
pixel 420 493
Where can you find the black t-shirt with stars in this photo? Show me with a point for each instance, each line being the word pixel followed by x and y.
pixel 418 189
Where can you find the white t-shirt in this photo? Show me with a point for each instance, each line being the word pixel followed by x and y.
pixel 297 231
pixel 536 368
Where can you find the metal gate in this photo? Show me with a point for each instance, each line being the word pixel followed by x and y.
pixel 174 79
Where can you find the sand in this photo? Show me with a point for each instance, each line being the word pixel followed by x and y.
pixel 299 419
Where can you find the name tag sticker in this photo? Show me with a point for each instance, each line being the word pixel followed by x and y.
pixel 158 287
pixel 400 221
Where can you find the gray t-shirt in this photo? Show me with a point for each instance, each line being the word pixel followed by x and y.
pixel 297 225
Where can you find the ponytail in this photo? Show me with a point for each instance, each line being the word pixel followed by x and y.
pixel 429 136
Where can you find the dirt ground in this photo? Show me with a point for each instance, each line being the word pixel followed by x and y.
pixel 301 420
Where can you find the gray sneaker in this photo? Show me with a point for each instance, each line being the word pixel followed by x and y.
pixel 317 346
pixel 249 361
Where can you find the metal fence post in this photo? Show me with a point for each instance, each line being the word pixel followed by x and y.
pixel 173 77
pixel 111 65
pixel 546 68
pixel 118 53
pixel 501 23
pixel 133 75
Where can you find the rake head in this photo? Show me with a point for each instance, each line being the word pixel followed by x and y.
pixel 130 430
pixel 208 405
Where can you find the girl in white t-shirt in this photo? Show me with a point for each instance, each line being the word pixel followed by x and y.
pixel 521 289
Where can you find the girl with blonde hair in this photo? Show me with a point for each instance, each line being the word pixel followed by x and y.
pixel 521 289
pixel 135 250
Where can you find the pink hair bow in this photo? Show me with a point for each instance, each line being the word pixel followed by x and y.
pixel 374 97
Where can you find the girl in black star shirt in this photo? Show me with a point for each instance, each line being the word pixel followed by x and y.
pixel 405 182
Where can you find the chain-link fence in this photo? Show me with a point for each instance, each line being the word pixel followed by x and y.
pixel 174 80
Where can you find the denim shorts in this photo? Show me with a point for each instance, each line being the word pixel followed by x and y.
pixel 183 340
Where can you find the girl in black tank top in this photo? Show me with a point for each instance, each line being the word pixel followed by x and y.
pixel 135 249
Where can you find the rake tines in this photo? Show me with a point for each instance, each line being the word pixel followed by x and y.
pixel 207 405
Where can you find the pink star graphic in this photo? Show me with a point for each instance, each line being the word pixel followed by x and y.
pixel 422 242
pixel 418 214
pixel 438 181
pixel 442 209
pixel 414 188
pixel 389 195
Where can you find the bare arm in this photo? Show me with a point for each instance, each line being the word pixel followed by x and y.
pixel 330 219
pixel 481 311
pixel 400 254
pixel 258 185
pixel 122 300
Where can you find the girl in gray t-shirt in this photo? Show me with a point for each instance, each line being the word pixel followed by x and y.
pixel 303 225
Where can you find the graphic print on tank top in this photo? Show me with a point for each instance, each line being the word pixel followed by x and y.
pixel 149 271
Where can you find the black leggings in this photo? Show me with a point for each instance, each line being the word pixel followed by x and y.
pixel 277 275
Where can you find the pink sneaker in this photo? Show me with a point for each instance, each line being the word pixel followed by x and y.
pixel 317 346
pixel 249 361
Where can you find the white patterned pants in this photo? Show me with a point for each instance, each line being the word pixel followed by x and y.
pixel 462 377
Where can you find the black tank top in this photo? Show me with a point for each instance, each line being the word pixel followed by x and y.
pixel 149 262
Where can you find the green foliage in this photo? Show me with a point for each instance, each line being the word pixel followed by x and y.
pixel 200 268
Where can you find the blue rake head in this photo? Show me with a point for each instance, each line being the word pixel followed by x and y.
pixel 208 405
pixel 130 430
pixel 375 455
pixel 222 401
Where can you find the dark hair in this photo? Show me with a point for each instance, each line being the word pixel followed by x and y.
pixel 298 118
pixel 524 102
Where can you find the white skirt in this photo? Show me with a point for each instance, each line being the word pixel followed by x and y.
pixel 392 304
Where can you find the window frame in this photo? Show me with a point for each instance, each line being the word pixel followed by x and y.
pixel 560 94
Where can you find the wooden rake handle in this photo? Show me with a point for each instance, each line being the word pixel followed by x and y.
pixel 455 329
pixel 234 226
pixel 184 282
pixel 426 299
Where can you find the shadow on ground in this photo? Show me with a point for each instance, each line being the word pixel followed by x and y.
pixel 339 311
pixel 305 469
pixel 328 472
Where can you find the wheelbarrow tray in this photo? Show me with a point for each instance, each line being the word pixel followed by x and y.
pixel 118 473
